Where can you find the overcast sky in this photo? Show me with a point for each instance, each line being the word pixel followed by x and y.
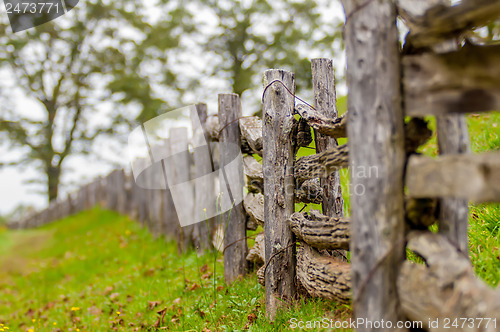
pixel 15 188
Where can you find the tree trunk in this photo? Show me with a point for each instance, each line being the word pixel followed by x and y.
pixel 53 178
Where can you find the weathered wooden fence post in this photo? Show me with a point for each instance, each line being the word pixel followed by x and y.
pixel 203 167
pixel 376 145
pixel 178 172
pixel 138 192
pixel 325 100
pixel 278 160
pixel 453 138
pixel 234 221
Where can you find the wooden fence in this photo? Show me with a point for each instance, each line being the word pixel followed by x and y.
pixel 432 75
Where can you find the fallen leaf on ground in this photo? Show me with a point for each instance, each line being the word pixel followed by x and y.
pixel 153 304
pixel 194 286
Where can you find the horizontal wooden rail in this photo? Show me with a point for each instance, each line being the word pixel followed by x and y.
pixel 464 81
pixel 257 254
pixel 322 276
pixel 320 231
pixel 321 164
pixel 475 177
pixel 212 127
pixel 251 131
pixel 254 174
pixel 254 207
pixel 441 23
pixel 331 127
pixel 445 287
pixel 310 191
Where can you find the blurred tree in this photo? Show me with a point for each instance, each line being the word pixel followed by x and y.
pixel 71 67
pixel 137 60
pixel 254 35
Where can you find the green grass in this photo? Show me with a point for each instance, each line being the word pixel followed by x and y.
pixel 99 271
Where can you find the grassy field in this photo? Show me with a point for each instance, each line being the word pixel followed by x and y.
pixel 99 271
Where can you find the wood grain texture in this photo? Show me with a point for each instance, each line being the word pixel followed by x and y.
pixel 463 81
pixel 235 252
pixel 320 231
pixel 257 253
pixel 445 287
pixel 278 159
pixel 335 128
pixel 323 277
pixel 325 102
pixel 376 119
pixel 254 174
pixel 254 207
pixel 453 138
pixel 473 177
pixel 433 25
pixel 321 164
pixel 251 131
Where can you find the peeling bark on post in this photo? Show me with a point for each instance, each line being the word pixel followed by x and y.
pixel 325 103
pixel 320 231
pixel 235 248
pixel 278 158
pixel 453 138
pixel 321 164
pixel 376 119
pixel 324 277
pixel 254 207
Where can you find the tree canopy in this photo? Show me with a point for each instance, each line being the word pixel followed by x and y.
pixel 70 67
pixel 106 65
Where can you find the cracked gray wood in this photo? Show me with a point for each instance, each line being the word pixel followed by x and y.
pixel 377 120
pixel 251 130
pixel 430 26
pixel 324 125
pixel 254 174
pixel 453 138
pixel 463 81
pixel 254 207
pixel 320 231
pixel 260 276
pixel 473 177
pixel 324 277
pixel 278 159
pixel 257 253
pixel 321 164
pixel 445 287
pixel 235 250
